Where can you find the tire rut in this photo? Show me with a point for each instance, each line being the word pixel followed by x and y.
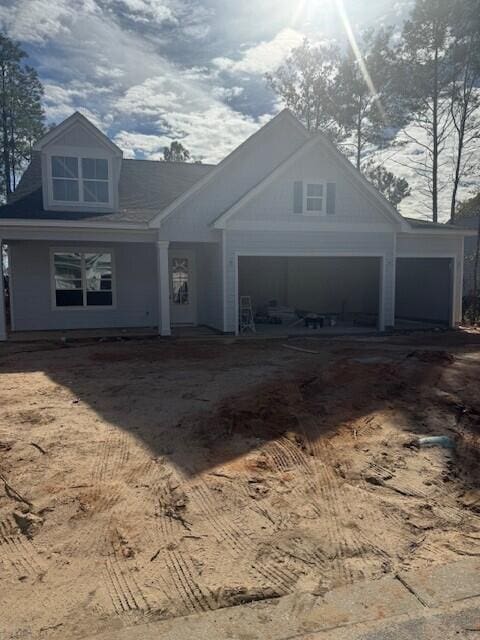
pixel 18 551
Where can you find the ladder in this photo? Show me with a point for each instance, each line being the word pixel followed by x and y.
pixel 246 315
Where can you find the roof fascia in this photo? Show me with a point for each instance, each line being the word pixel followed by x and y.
pixel 70 224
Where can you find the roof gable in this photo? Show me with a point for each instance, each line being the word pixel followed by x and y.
pixel 226 169
pixel 345 166
pixel 86 132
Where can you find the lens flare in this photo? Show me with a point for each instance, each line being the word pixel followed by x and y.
pixel 358 55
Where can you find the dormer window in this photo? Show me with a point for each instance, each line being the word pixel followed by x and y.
pixel 65 179
pixel 95 179
pixel 80 180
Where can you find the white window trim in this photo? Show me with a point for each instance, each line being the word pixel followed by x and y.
pixel 315 214
pixel 79 155
pixel 84 307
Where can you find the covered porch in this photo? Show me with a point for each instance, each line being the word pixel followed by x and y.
pixel 112 281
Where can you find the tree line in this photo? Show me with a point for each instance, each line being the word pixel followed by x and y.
pixel 387 88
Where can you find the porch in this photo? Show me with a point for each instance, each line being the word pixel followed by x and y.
pixel 105 284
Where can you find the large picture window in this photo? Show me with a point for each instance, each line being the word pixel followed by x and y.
pixel 83 180
pixel 83 279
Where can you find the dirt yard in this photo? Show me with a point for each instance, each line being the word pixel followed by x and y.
pixel 141 480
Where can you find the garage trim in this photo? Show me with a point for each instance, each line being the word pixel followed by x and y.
pixel 318 254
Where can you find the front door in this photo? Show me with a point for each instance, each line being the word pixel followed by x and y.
pixel 183 298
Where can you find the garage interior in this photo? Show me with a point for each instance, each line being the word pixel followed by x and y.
pixel 304 295
pixel 424 291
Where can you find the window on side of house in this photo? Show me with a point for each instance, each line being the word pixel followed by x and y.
pixel 83 279
pixel 80 180
pixel 314 199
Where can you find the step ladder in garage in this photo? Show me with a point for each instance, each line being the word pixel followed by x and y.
pixel 247 323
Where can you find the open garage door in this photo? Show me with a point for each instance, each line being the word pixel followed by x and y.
pixel 301 294
pixel 424 290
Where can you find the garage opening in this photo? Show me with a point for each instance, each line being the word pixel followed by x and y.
pixel 424 291
pixel 298 295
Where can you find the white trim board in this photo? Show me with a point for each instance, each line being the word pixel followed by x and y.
pixel 318 223
pixel 70 224
pixel 11 288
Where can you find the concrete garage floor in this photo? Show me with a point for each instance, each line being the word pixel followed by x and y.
pixel 202 332
pixel 149 480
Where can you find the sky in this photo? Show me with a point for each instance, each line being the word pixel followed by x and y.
pixel 150 71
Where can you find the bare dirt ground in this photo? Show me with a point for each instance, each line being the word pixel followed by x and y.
pixel 142 480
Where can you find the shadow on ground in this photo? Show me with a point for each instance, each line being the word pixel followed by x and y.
pixel 181 399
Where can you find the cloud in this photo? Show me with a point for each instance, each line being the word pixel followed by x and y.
pixel 39 20
pixel 144 10
pixel 184 110
pixel 264 57
pixel 144 145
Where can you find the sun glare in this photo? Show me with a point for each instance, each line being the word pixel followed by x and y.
pixel 358 54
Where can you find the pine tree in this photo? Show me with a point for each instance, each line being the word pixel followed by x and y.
pixel 306 84
pixel 465 93
pixel 422 81
pixel 365 107
pixel 21 113
pixel 394 189
pixel 176 152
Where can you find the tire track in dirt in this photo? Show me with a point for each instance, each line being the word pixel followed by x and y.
pixel 18 551
pixel 184 579
pixel 122 587
pixel 239 543
pixel 327 492
pixel 116 577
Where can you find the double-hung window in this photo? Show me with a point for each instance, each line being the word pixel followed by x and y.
pixel 314 198
pixel 82 278
pixel 80 180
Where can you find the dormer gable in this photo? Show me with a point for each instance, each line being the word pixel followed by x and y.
pixel 80 167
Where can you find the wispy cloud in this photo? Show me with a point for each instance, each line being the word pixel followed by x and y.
pixel 263 57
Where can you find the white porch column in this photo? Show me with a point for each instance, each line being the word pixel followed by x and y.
pixel 163 288
pixel 3 316
pixel 387 292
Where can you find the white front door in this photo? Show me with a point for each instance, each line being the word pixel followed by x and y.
pixel 183 294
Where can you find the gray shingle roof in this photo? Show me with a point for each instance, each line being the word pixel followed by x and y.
pixel 146 187
pixel 417 223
